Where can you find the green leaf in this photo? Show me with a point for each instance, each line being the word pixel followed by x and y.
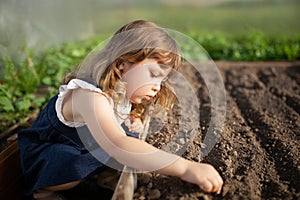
pixel 6 104
pixel 23 104
pixel 2 89
pixel 47 80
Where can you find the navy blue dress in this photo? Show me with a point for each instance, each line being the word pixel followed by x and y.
pixel 53 153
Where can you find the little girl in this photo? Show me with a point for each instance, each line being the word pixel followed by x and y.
pixel 111 86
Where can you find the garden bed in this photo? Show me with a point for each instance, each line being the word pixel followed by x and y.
pixel 258 151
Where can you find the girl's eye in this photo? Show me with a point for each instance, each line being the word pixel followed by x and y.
pixel 153 75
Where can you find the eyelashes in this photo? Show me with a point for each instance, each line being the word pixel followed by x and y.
pixel 154 75
pixel 160 76
pixel 156 72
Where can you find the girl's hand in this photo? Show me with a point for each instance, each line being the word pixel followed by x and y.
pixel 203 175
pixel 134 125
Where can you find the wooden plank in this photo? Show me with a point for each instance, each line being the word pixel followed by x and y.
pixel 127 182
pixel 10 172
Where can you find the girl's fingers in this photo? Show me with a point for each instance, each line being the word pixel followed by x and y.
pixel 206 186
pixel 217 184
pixel 221 184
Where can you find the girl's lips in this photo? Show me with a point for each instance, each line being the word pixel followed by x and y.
pixel 148 97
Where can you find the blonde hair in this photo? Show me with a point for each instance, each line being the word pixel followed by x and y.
pixel 132 43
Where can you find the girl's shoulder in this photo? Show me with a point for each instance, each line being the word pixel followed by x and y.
pixel 64 102
pixel 76 84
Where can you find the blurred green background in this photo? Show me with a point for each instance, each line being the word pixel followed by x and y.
pixel 40 23
pixel 234 17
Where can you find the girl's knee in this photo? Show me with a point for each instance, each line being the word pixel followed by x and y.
pixel 65 186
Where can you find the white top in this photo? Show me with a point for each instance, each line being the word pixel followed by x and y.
pixel 123 110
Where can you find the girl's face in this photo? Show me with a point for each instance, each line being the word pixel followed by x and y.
pixel 143 79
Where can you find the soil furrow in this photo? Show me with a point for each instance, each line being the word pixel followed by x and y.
pixel 280 148
pixel 239 162
pixel 277 85
pixel 257 171
pixel 254 167
pixel 293 72
pixel 273 109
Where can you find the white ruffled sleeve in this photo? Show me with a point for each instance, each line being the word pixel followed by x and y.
pixel 77 83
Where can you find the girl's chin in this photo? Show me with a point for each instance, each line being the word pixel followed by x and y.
pixel 136 100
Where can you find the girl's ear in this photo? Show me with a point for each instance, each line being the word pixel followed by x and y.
pixel 121 67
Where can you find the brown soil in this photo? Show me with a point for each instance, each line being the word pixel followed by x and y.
pixel 258 152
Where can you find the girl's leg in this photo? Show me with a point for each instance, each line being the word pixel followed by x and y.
pixel 50 194
pixel 65 186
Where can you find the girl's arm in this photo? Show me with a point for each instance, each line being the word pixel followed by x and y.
pixel 96 111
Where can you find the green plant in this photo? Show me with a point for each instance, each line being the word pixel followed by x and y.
pixel 254 46
pixel 22 82
pixel 17 88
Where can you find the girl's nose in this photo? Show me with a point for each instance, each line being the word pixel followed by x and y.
pixel 156 88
